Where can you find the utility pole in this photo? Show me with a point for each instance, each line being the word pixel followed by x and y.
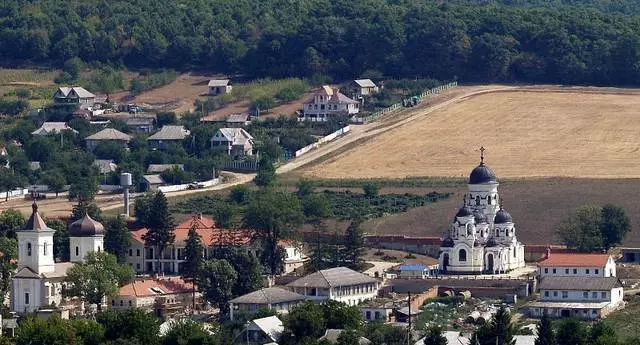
pixel 409 330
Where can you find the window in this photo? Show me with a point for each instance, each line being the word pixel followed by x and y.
pixel 546 294
pixel 29 249
pixel 99 249
pixel 554 271
pixel 575 271
pixel 130 252
pixel 138 266
pixel 566 271
pixel 113 302
pixel 555 294
pixel 585 294
pixel 137 252
pixel 489 200
pixel 565 294
pixel 368 315
pixel 586 271
pixel 45 248
pixel 378 315
pixel 77 251
pixel 594 295
pixel 129 302
pixel 121 303
pixel 597 271
pixel 26 298
pixel 462 255
pixel 603 294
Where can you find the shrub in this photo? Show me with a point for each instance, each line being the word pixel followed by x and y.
pixel 263 103
pixel 13 107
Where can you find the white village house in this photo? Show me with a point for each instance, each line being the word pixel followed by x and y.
pixel 236 141
pixel 364 87
pixel 74 95
pixel 327 103
pixel 340 284
pixel 107 135
pixel 166 136
pixel 482 237
pixel 219 86
pixel 273 298
pixel 38 281
pixel 577 265
pixel 48 128
pixel 162 295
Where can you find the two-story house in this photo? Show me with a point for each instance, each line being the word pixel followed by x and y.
pixel 236 141
pixel 340 284
pixel 107 135
pixel 161 295
pixel 581 297
pixel 577 285
pixel 327 103
pixel 74 95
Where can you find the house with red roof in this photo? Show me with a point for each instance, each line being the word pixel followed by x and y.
pixel 163 295
pixel 577 265
pixel 144 259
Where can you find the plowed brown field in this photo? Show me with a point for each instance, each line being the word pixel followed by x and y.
pixel 591 132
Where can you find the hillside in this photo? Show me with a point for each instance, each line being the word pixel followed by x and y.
pixel 529 133
pixel 340 39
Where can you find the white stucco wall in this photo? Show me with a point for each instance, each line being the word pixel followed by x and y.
pixel 81 246
pixel 39 259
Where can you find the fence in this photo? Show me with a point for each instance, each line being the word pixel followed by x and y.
pixel 14 193
pixel 241 166
pixel 323 140
pixel 378 114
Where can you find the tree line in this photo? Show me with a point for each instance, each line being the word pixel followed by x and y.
pixel 566 41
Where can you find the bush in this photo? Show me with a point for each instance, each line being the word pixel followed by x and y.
pixel 263 103
pixel 23 93
pixel 13 107
pixel 151 80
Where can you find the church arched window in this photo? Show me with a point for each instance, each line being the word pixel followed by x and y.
pixel 489 200
pixel 462 255
pixel 45 248
pixel 28 249
pixel 77 251
pixel 477 200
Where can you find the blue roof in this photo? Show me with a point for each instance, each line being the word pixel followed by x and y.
pixel 413 267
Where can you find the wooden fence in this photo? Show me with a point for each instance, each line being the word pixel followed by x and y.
pixel 394 107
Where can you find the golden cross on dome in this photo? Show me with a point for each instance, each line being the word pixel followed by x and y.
pixel 482 149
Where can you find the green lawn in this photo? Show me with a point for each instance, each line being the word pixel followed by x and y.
pixel 626 322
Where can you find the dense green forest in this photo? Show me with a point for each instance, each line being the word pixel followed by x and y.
pixel 494 40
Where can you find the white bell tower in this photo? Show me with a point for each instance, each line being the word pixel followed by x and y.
pixel 35 244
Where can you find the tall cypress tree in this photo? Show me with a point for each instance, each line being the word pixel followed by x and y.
pixel 546 335
pixel 193 259
pixel 354 246
pixel 161 226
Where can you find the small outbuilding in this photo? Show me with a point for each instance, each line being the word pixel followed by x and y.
pixel 219 86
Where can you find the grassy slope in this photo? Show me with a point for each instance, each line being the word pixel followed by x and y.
pixel 626 321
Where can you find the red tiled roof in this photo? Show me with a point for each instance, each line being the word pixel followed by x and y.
pixel 205 228
pixel 575 260
pixel 156 287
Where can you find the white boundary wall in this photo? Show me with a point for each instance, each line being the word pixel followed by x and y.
pixel 322 140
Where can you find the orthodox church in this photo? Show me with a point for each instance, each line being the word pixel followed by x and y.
pixel 38 281
pixel 482 238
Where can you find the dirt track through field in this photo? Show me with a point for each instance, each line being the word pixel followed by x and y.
pixel 535 132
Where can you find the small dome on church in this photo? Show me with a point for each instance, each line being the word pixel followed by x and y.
pixel 448 242
pixel 482 174
pixel 502 217
pixel 464 211
pixel 85 227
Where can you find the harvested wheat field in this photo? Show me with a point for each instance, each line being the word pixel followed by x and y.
pixel 527 133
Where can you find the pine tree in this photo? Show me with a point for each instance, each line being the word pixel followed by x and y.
pixel 499 331
pixel 434 336
pixel 161 226
pixel 354 246
pixel 546 335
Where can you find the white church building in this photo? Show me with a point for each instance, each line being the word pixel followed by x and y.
pixel 482 238
pixel 38 282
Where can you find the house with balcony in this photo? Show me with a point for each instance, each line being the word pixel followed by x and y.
pixel 340 284
pixel 577 265
pixel 273 298
pixel 74 95
pixel 580 297
pixel 328 103
pixel 236 141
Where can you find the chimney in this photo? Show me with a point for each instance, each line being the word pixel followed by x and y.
pixel 548 252
pixel 199 215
